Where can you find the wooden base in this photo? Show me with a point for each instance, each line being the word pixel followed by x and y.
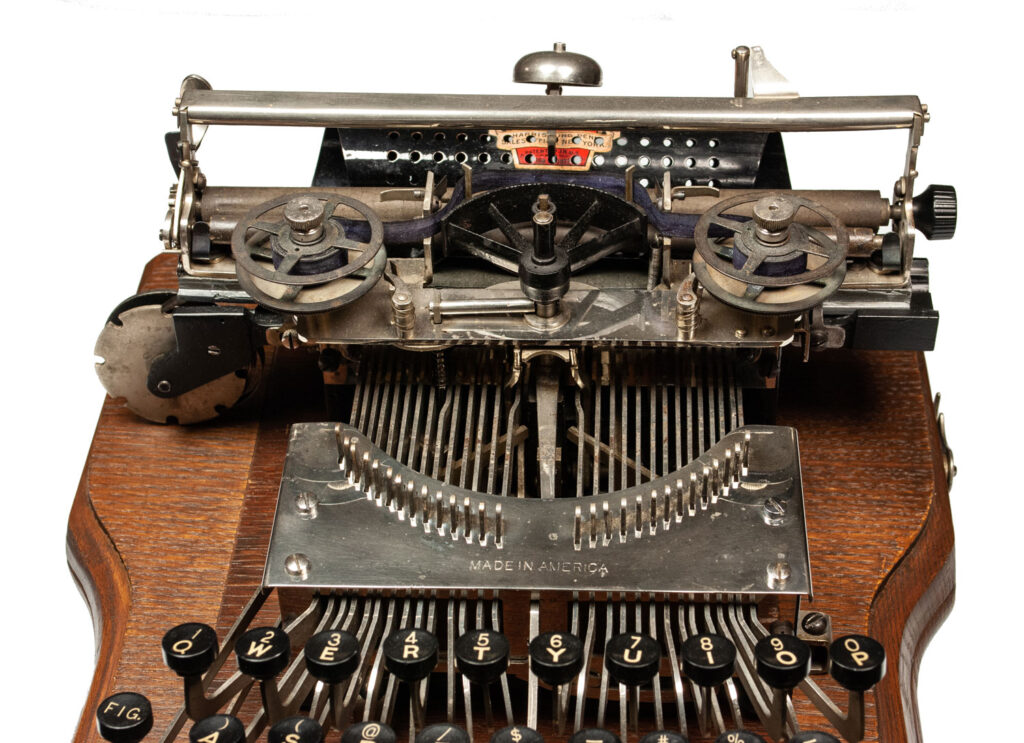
pixel 170 523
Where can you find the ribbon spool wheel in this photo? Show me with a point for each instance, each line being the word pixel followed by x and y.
pixel 776 265
pixel 296 255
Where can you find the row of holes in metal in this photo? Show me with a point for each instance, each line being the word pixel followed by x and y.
pixel 621 160
pixel 487 139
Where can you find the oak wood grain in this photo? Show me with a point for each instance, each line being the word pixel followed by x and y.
pixel 171 523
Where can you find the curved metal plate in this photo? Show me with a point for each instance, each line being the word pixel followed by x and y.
pixel 381 525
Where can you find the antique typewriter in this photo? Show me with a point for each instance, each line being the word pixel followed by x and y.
pixel 532 418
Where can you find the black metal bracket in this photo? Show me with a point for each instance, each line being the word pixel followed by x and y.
pixel 211 341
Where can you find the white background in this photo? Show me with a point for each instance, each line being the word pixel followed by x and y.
pixel 86 98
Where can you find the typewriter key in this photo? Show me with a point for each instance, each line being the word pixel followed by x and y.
pixel 556 657
pixel 516 734
pixel 783 661
pixel 296 730
pixel 442 733
pixel 263 652
pixel 190 649
pixel 858 662
pixel 632 659
pixel 739 736
pixel 708 659
pixel 124 717
pixel 664 736
pixel 482 655
pixel 813 736
pixel 410 654
pixel 331 656
pixel 368 732
pixel 217 729
pixel 596 735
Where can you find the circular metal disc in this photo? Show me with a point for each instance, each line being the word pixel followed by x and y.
pixel 128 346
pixel 803 239
pixel 769 300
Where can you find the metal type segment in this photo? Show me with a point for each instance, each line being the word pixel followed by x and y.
pixel 725 548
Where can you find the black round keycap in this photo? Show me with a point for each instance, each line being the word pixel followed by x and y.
pixel 124 717
pixel 517 734
pixel 594 735
pixel 858 662
pixel 482 655
pixel 331 656
pixel 556 657
pixel 218 728
pixel 190 649
pixel 410 654
pixel 296 730
pixel 263 652
pixel 442 732
pixel 783 661
pixel 368 732
pixel 739 736
pixel 632 659
pixel 708 659
pixel 813 736
pixel 664 736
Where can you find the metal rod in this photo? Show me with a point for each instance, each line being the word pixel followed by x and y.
pixel 472 307
pixel 222 207
pixel 742 56
pixel 268 108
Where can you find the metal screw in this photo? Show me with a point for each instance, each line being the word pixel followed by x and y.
pixel 213 350
pixel 291 339
pixel 767 331
pixel 297 566
pixel 306 504
pixel 778 573
pixel 773 511
pixel 164 386
pixel 815 623
pixel 741 332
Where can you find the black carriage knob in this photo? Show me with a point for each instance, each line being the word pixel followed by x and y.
pixel 517 734
pixel 664 736
pixel 556 657
pixel 935 212
pixel 594 735
pixel 442 732
pixel 857 662
pixel 813 736
pixel 331 656
pixel 410 654
pixel 783 661
pixel 368 732
pixel 482 655
pixel 632 659
pixel 190 649
pixel 218 729
pixel 739 736
pixel 708 659
pixel 263 652
pixel 124 717
pixel 296 730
